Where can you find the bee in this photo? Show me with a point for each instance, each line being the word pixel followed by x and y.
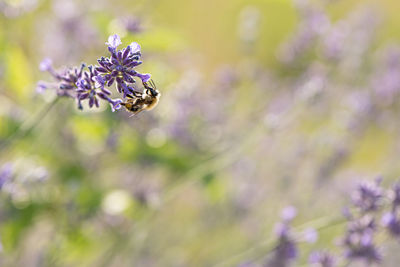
pixel 146 100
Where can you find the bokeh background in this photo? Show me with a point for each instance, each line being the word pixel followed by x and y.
pixel 265 104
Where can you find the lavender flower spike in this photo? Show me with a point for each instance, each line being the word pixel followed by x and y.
pixel 392 224
pixel 286 249
pixel 368 196
pixel 120 66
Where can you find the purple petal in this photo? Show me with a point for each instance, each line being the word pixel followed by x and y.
pixel 110 82
pixel 115 104
pixel 100 80
pixel 41 87
pixel 133 64
pixel 91 102
pixel 144 77
pixel 126 52
pixel 114 41
pixel 101 69
pixel 135 47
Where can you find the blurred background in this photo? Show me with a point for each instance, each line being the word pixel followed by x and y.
pixel 265 104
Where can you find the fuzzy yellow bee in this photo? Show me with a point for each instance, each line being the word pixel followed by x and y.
pixel 146 100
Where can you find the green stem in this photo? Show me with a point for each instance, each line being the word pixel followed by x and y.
pixel 23 130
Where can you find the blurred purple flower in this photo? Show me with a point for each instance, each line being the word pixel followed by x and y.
pixel 386 81
pixel 41 87
pixel 286 249
pixel 46 64
pixel 368 196
pixel 132 24
pixel 358 241
pixel 310 235
pixel 392 224
pixel 6 173
pixel 396 196
pixel 321 259
pixel 288 213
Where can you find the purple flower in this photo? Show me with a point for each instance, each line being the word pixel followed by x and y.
pixel 286 249
pixel 133 24
pixel 91 86
pixel 368 196
pixel 46 64
pixel 358 241
pixel 392 224
pixel 288 213
pixel 120 66
pixel 310 235
pixel 396 196
pixel 6 173
pixel 321 259
pixel 41 87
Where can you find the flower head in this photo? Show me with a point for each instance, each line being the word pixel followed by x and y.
pixel 359 240
pixel 392 224
pixel 119 67
pixel 286 249
pixel 368 196
pixel 91 84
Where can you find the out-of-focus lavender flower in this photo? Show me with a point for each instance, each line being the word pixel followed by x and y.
pixel 395 195
pixel 314 22
pixel 288 213
pixel 386 81
pixel 286 250
pixel 368 196
pixel 6 173
pixel 132 24
pixel 310 235
pixel 120 66
pixel 359 240
pixel 334 40
pixel 321 259
pixel 392 224
pixel 46 64
pixel 391 220
pixel 41 87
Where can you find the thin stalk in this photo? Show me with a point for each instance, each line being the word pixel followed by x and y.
pixel 23 130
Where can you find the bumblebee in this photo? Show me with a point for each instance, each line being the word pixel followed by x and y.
pixel 146 100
